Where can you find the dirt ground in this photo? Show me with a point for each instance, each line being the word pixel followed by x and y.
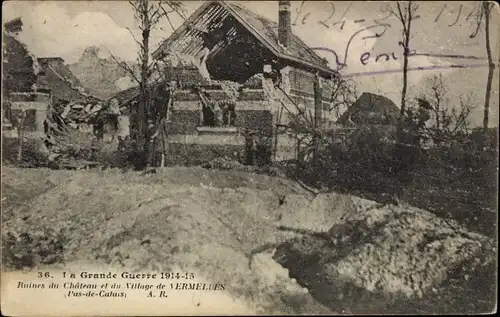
pixel 202 221
pixel 223 225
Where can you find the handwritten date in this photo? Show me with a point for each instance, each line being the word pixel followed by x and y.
pixel 453 16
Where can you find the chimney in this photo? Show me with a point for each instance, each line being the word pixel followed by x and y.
pixel 285 24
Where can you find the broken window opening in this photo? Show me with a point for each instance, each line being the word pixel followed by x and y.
pixel 209 115
pixel 218 114
pixel 29 123
pixel 228 114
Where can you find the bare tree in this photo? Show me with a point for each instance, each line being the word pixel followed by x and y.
pixel 438 100
pixel 148 15
pixel 343 95
pixel 484 11
pixel 446 120
pixel 405 13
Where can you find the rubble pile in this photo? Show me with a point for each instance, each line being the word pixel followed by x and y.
pixel 254 82
pixel 231 89
pixel 72 128
pixel 74 112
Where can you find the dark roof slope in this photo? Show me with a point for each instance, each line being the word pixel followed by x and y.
pixel 269 30
pixel 265 30
pixel 14 26
pixel 57 78
pixel 18 64
pixel 370 109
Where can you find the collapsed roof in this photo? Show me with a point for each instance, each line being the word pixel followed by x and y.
pixel 241 42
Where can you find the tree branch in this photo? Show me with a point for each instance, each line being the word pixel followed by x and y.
pixel 124 66
pixel 135 39
pixel 167 16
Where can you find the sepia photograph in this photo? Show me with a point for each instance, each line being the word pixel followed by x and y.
pixel 249 157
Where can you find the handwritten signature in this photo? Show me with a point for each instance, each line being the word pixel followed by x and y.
pixel 364 57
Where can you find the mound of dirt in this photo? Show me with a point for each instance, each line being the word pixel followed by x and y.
pixel 226 225
pixel 385 256
pixel 149 223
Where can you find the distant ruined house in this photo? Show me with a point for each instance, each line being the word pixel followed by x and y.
pixel 75 111
pixel 23 105
pixel 238 77
pixel 42 101
pixel 370 109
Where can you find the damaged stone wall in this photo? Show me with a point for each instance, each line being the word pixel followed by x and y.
pixel 187 119
pixel 28 109
pixel 190 142
pixel 302 89
pixel 259 107
pixel 295 98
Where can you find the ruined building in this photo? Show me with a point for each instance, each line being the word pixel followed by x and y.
pixel 23 104
pixel 43 103
pixel 238 78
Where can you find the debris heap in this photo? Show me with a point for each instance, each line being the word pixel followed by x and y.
pixel 73 128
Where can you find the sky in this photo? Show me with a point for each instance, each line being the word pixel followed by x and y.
pixel 66 28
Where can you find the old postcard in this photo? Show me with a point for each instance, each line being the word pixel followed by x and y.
pixel 249 157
